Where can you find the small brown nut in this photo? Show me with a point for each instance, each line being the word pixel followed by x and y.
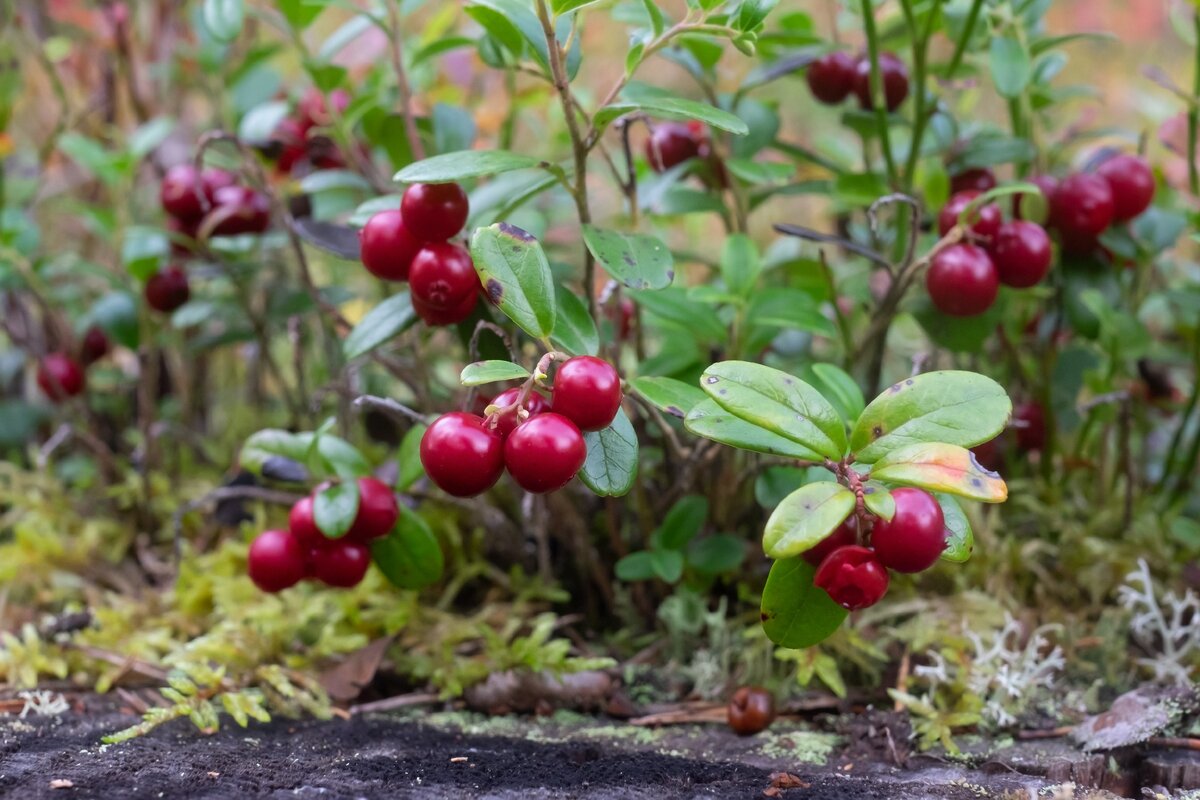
pixel 751 710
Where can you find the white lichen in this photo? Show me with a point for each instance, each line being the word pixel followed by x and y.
pixel 43 703
pixel 1167 628
pixel 1005 675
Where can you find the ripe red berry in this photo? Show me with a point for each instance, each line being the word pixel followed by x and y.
pixel 913 540
pixel 1021 253
pixel 442 276
pixel 1082 206
pixel 853 577
pixel 987 216
pixel 461 455
pixel 624 316
pixel 178 193
pixel 242 210
pixel 544 452
pixel 895 81
pixel 1132 185
pixel 167 289
pixel 213 180
pixel 670 144
pixel 388 248
pixel 341 563
pixel 844 534
pixel 1029 422
pixel 587 391
pixel 989 455
pixel 831 77
pixel 276 561
pixel 377 511
pixel 979 179
pixel 313 107
pixel 1049 185
pixel 434 211
pixel 94 346
pixel 446 316
pixel 962 281
pixel 506 421
pixel 303 524
pixel 289 139
pixel 751 709
pixel 59 376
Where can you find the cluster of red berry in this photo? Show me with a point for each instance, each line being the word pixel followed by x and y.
pixel 856 576
pixel 539 441
pixel 1085 204
pixel 832 77
pixel 279 559
pixel 61 375
pixel 410 244
pixel 297 140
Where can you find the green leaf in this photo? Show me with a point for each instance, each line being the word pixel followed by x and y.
pixel 758 173
pixel 941 468
pixel 858 191
pixel 667 564
pixel 335 507
pixel 299 13
pixel 673 306
pixel 752 13
pixel 796 613
pixel 410 457
pixel 574 330
pixel 150 135
pixel 709 420
pixel 342 458
pixel 659 103
pixel 223 18
pixel 516 276
pixel 668 395
pixel 482 372
pixel 682 522
pixel 382 323
pixel 143 250
pixel 841 389
pixel 637 566
pixel 806 517
pixel 740 263
pixel 777 402
pixel 560 7
pixel 960 539
pixel 637 260
pixel 714 555
pixel 259 123
pixel 1010 65
pixel 879 500
pixel 117 314
pixel 612 458
pixel 409 556
pixel 91 156
pixel 658 22
pixel 952 407
pixel 464 164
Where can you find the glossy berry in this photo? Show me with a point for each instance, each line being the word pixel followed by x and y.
pixel 1049 185
pixel 587 391
pixel 178 193
pixel 241 210
pixel 461 455
pixel 276 561
pixel 341 563
pixel 962 281
pixel 852 577
pixel 434 211
pixel 167 289
pixel 377 511
pixel 446 316
pixel 986 217
pixel 59 376
pixel 442 276
pixel 844 534
pixel 388 248
pixel 831 77
pixel 1021 253
pixel 95 345
pixel 979 179
pixel 544 452
pixel 1029 422
pixel 506 421
pixel 751 709
pixel 670 144
pixel 1132 185
pixel 1082 206
pixel 893 74
pixel 914 538
pixel 288 139
pixel 303 524
pixel 313 107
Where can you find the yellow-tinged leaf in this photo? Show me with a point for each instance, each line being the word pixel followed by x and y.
pixel 941 468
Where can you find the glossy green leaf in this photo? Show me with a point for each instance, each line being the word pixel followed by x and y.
pixel 299 13
pixel 659 103
pixel 714 555
pixel 682 522
pixel 879 500
pixel 516 276
pixel 841 389
pixel 941 468
pixel 409 556
pixel 612 458
pixel 637 566
pixel 805 517
pixel 669 395
pixel 960 539
pixel 336 455
pixel 259 123
pixel 709 420
pixel 223 18
pixel 117 314
pixel 409 457
pixel 465 164
pixel 796 613
pixel 667 564
pixel 674 307
pixel 560 7
pixel 740 263
pixel 335 507
pixel 1010 65
pixel 143 250
pixel 381 324
pixel 637 260
pixel 574 330
pixel 481 372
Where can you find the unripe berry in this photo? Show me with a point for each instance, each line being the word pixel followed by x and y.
pixel 914 538
pixel 853 577
pixel 276 561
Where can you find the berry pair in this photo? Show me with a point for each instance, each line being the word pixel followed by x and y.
pixel 190 198
pixel 855 576
pixel 294 144
pixel 833 77
pixel 279 559
pixel 672 143
pixel 1085 204
pixel 60 375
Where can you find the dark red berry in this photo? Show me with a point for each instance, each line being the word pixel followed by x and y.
pixel 241 210
pixel 442 276
pixel 1021 253
pixel 377 511
pixel 895 81
pixel 587 391
pixel 962 281
pixel 831 77
pixel 94 346
pixel 914 538
pixel 670 144
pixel 313 107
pixel 184 235
pixel 1082 206
pixel 1029 422
pixel 213 180
pixel 434 211
pixel 1049 185
pixel 853 577
pixel 989 455
pixel 59 376
pixel 303 524
pixel 544 452
pixel 178 193
pixel 341 564
pixel 1132 185
pixel 276 561
pixel 986 217
pixel 978 179
pixel 461 455
pixel 388 248
pixel 624 314
pixel 844 534
pixel 446 316
pixel 751 709
pixel 289 139
pixel 167 289
pixel 506 421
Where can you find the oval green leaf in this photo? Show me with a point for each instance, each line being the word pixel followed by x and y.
pixel 658 103
pixel 383 322
pixel 709 420
pixel 481 372
pixel 516 276
pixel 223 18
pixel 795 613
pixel 612 458
pixel 409 556
pixel 574 329
pixel 637 260
pixel 335 507
pixel 669 395
pixel 805 517
pixel 463 164
pixel 960 539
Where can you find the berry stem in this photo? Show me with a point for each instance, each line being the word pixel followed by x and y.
pixel 396 48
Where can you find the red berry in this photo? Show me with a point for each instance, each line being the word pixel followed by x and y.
pixel 989 455
pixel 844 534
pixel 506 421
pixel 895 81
pixel 444 316
pixel 978 179
pixel 461 455
pixel 624 313
pixel 1132 185
pixel 94 345
pixel 853 577
pixel 167 289
pixel 544 452
pixel 377 511
pixel 587 391
pixel 442 276
pixel 670 144
pixel 434 211
pixel 1048 184
pixel 276 561
pixel 342 564
pixel 313 108
pixel 1082 206
pixel 1029 422
pixel 183 242
pixel 962 281
pixel 916 535
pixel 213 180
pixel 288 137
pixel 751 710
pixel 987 216
pixel 831 77
pixel 178 193
pixel 1021 253
pixel 242 210
pixel 60 376
pixel 303 524
pixel 388 248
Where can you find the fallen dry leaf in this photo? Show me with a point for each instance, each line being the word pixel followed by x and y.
pixel 786 780
pixel 346 681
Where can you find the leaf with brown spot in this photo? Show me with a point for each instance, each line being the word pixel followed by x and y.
pixel 516 275
pixel 805 517
pixel 941 468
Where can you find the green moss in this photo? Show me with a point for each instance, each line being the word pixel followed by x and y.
pixel 804 747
